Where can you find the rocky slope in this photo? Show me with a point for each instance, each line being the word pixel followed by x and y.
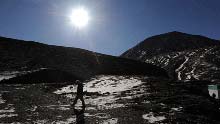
pixel 198 64
pixel 184 56
pixel 110 99
pixel 21 57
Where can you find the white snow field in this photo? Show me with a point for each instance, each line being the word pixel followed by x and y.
pixel 109 89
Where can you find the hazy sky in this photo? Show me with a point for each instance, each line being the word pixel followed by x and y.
pixel 115 25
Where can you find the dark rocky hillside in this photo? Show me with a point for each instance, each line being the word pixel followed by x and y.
pixel 198 64
pixel 184 56
pixel 21 56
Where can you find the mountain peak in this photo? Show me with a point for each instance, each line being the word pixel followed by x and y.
pixel 175 32
pixel 170 42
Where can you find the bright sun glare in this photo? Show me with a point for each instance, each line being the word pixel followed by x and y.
pixel 79 17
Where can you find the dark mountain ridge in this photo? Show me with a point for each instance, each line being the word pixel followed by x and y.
pixel 184 56
pixel 18 55
pixel 169 42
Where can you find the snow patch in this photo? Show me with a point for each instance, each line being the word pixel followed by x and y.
pixel 59 107
pixel 7 115
pixel 7 75
pixel 42 122
pixel 11 74
pixel 107 90
pixel 2 100
pixel 181 68
pixel 111 121
pixel 105 84
pixel 177 109
pixel 152 119
pixel 104 102
pixel 8 112
pixel 8 109
pixel 67 121
pixel 110 84
pixel 11 110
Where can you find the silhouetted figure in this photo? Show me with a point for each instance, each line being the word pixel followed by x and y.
pixel 79 94
pixel 80 116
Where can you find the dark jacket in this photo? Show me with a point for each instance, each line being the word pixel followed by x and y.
pixel 80 89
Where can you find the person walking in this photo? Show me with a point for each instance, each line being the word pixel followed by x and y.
pixel 79 94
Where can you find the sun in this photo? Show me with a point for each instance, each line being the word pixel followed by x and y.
pixel 79 17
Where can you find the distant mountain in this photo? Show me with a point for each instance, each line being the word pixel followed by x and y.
pixel 22 56
pixel 184 56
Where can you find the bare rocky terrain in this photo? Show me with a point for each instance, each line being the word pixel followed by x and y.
pixel 110 99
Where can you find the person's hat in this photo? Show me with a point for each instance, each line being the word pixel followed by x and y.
pixel 77 81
